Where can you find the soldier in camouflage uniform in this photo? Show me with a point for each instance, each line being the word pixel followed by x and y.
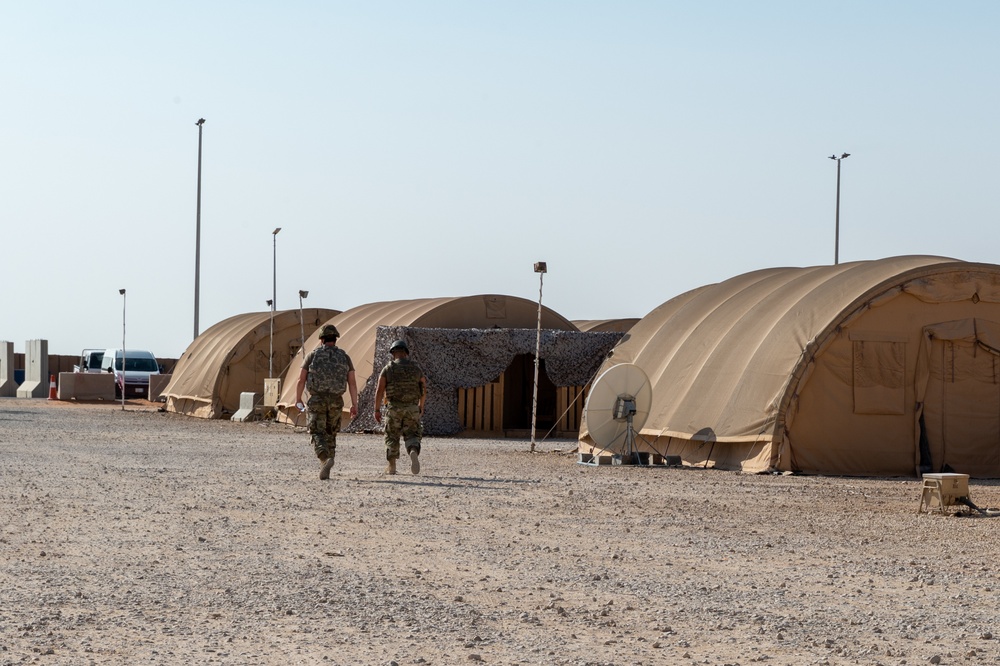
pixel 327 371
pixel 403 383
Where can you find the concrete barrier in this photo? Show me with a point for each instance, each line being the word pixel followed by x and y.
pixel 156 385
pixel 36 370
pixel 248 402
pixel 85 386
pixel 8 387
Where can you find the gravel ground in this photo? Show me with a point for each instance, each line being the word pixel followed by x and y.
pixel 134 536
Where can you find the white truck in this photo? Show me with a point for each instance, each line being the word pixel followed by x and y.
pixel 90 361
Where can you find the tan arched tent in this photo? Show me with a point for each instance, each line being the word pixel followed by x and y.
pixel 605 325
pixel 358 327
pixel 231 357
pixel 886 367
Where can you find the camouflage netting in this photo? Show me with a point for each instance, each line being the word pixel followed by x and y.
pixel 469 357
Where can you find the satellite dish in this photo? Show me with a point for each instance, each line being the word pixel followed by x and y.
pixel 617 405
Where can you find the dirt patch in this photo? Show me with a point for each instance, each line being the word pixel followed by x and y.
pixel 138 536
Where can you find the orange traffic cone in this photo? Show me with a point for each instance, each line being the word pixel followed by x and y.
pixel 52 388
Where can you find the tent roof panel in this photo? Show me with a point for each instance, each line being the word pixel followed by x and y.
pixel 601 325
pixel 721 357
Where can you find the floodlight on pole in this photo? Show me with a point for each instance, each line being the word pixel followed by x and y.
pixel 836 233
pixel 197 235
pixel 541 269
pixel 122 292
pixel 302 322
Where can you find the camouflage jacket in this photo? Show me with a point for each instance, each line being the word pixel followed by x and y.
pixel 402 381
pixel 328 369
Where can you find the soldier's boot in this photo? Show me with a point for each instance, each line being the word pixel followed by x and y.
pixel 414 461
pixel 391 467
pixel 324 471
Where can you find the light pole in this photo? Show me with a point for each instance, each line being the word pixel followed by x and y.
pixel 302 323
pixel 836 238
pixel 274 298
pixel 540 268
pixel 122 292
pixel 197 235
pixel 270 342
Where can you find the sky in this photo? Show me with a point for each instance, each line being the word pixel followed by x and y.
pixel 426 149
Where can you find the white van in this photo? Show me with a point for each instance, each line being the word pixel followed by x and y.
pixel 139 365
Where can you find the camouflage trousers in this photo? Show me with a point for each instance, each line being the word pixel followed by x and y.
pixel 402 420
pixel 323 419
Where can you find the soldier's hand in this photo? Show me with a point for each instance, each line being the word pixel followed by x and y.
pixel 354 411
pixel 378 415
pixel 299 406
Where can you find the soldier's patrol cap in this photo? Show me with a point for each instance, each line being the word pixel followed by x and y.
pixel 329 331
pixel 399 345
